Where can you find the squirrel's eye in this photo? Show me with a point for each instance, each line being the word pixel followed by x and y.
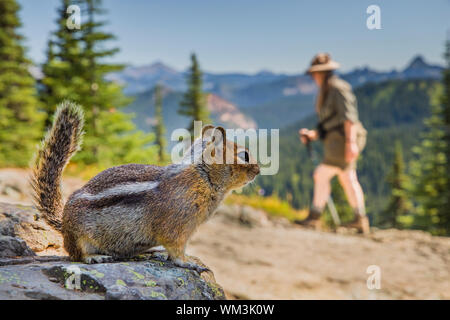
pixel 244 156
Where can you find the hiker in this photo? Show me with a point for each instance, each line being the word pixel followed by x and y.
pixel 343 137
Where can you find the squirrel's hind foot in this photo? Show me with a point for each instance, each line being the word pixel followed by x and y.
pixel 92 259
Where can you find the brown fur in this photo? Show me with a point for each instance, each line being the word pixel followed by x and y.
pixel 61 142
pixel 126 210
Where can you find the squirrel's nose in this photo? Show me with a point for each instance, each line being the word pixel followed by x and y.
pixel 256 170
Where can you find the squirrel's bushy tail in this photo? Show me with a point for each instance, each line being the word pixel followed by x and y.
pixel 61 142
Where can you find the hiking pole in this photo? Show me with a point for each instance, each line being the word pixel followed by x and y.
pixel 330 202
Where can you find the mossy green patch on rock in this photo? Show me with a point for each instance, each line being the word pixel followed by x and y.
pixel 121 282
pixel 155 294
pixel 181 281
pixel 216 289
pixel 150 283
pixel 10 277
pixel 136 274
pixel 96 273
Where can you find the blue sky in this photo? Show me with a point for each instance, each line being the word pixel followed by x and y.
pixel 251 35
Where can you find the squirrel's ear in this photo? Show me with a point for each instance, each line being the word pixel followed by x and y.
pixel 219 135
pixel 215 146
pixel 207 131
pixel 214 134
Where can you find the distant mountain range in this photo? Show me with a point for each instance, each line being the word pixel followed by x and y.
pixel 232 86
pixel 264 99
pixel 416 69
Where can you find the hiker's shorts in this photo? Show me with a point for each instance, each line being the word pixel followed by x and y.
pixel 334 148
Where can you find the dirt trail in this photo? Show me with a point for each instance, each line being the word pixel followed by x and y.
pixel 275 262
pixel 294 263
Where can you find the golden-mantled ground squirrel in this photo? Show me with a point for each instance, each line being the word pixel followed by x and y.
pixel 126 210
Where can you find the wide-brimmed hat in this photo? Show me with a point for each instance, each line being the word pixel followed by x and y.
pixel 322 62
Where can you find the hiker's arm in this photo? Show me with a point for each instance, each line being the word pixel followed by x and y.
pixel 306 134
pixel 351 148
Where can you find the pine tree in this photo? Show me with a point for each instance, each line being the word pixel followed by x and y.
pixel 431 171
pixel 399 205
pixel 76 70
pixel 193 104
pixel 62 66
pixel 20 121
pixel 159 128
pixel 102 98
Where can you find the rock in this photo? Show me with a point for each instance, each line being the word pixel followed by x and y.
pixel 254 217
pixel 28 276
pixel 11 191
pixel 147 279
pixel 244 215
pixel 281 222
pixel 12 247
pixel 24 222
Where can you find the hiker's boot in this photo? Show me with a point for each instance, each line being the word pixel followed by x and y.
pixel 312 220
pixel 360 223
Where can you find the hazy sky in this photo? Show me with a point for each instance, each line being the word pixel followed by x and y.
pixel 251 35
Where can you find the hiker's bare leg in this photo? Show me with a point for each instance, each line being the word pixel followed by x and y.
pixel 355 196
pixel 322 187
pixel 322 190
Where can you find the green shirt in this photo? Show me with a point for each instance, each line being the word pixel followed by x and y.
pixel 339 105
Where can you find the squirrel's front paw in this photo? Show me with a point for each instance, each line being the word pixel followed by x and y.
pixel 91 259
pixel 190 265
